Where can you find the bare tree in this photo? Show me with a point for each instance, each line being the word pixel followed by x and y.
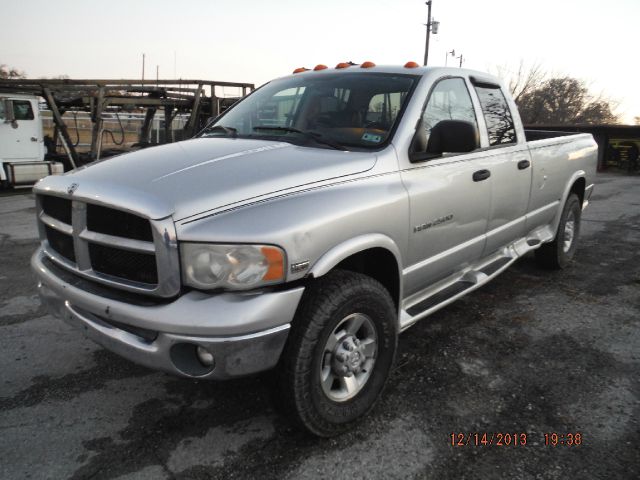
pixel 565 100
pixel 523 80
pixel 10 72
pixel 543 99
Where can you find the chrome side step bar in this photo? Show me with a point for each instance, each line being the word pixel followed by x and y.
pixel 443 293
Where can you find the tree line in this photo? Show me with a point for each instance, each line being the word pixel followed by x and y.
pixel 557 100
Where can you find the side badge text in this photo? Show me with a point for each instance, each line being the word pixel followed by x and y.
pixel 433 223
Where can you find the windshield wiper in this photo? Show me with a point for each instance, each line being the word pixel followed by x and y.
pixel 316 136
pixel 232 132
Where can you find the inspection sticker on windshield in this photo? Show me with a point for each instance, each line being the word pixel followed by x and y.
pixel 370 137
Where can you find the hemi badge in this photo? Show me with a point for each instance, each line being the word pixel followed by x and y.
pixel 299 267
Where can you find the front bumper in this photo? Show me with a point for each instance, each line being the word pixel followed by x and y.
pixel 245 332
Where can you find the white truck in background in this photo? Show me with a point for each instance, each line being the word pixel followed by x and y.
pixel 22 149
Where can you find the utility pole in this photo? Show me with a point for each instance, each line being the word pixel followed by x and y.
pixel 143 55
pixel 432 26
pixel 426 46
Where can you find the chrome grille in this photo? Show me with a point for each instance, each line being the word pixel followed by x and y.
pixel 109 245
pixel 136 266
pixel 58 208
pixel 118 223
pixel 61 243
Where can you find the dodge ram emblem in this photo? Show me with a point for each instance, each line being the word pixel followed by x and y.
pixel 72 188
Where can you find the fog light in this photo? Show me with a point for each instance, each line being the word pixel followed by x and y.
pixel 205 357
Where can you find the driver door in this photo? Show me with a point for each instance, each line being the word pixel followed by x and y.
pixel 449 201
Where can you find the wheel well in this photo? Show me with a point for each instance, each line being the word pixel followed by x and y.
pixel 578 188
pixel 378 263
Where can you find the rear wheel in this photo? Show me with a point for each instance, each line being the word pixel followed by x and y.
pixel 339 353
pixel 558 254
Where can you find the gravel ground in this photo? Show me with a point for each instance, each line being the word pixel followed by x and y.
pixel 533 352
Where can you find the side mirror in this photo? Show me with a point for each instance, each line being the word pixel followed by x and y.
pixel 452 136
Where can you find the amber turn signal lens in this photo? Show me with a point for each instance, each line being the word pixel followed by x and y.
pixel 411 65
pixel 276 263
pixel 320 67
pixel 367 65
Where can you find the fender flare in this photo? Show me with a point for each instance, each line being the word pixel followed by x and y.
pixel 355 245
pixel 565 195
pixel 358 244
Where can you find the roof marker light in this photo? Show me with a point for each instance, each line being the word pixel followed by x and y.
pixel 367 65
pixel 320 67
pixel 301 69
pixel 343 65
pixel 411 65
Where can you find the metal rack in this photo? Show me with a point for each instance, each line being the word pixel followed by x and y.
pixel 198 99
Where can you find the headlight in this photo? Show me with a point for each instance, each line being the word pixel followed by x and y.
pixel 237 267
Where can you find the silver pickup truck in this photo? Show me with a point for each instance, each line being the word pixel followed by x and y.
pixel 307 226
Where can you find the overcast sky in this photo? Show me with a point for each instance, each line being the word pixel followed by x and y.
pixel 254 41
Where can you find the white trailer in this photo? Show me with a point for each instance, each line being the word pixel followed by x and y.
pixel 22 147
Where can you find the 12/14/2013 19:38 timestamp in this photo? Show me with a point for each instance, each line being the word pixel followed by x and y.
pixel 515 439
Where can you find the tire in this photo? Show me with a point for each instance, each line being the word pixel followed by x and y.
pixel 558 254
pixel 345 333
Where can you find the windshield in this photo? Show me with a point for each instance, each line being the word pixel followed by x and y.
pixel 341 110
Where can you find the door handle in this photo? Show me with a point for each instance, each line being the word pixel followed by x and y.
pixel 481 175
pixel 522 164
pixel 34 139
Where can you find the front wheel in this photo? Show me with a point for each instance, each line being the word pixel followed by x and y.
pixel 339 353
pixel 557 254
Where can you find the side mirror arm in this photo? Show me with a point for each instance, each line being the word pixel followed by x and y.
pixel 418 147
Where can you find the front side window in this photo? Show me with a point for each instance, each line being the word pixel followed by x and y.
pixel 333 110
pixel 22 110
pixel 384 107
pixel 279 108
pixel 497 115
pixel 449 100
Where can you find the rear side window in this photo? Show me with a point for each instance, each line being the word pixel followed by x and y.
pixel 2 117
pixel 22 110
pixel 449 100
pixel 497 115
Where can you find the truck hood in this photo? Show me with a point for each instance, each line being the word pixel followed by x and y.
pixel 195 176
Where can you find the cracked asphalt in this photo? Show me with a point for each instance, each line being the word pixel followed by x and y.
pixel 533 352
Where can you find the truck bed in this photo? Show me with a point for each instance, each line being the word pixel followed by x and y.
pixel 532 135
